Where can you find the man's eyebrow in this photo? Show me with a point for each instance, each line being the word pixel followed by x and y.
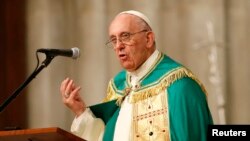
pixel 112 36
pixel 124 32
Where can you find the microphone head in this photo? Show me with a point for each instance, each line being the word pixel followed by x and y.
pixel 76 52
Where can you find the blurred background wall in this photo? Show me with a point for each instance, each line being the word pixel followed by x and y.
pixel 211 37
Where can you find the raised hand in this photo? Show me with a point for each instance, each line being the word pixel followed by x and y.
pixel 71 96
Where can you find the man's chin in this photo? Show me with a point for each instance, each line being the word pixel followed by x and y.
pixel 128 68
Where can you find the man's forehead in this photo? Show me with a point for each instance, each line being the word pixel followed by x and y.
pixel 124 21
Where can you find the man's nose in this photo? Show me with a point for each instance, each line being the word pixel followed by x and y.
pixel 119 44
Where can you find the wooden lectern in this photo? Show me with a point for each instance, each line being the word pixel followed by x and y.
pixel 41 134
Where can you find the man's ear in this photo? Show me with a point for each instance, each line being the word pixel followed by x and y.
pixel 150 39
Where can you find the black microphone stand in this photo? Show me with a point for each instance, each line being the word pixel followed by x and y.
pixel 44 64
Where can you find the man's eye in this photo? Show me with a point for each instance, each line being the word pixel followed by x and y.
pixel 125 35
pixel 113 40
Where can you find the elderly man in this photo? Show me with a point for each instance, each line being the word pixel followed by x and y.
pixel 154 98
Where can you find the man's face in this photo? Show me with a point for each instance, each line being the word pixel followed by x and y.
pixel 134 52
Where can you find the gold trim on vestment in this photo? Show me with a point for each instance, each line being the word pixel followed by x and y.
pixel 153 90
pixel 162 84
pixel 111 94
pixel 150 119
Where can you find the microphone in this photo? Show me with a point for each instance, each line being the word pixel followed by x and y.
pixel 73 52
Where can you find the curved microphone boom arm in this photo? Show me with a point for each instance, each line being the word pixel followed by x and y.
pixel 38 69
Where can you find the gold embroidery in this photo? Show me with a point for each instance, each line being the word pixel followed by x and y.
pixel 150 119
pixel 111 94
pixel 165 82
pixel 154 89
pixel 121 99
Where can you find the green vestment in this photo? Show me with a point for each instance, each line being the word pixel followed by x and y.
pixel 186 112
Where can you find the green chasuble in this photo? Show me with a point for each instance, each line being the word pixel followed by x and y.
pixel 169 105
